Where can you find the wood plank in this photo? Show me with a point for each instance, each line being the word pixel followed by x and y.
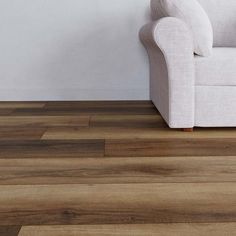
pixel 117 170
pixel 51 149
pixel 9 230
pixel 170 147
pixel 194 229
pixel 118 204
pixel 44 121
pixel 90 108
pixel 6 111
pixel 22 105
pixel 127 121
pixel 19 133
pixel 84 111
pixel 135 133
pixel 97 104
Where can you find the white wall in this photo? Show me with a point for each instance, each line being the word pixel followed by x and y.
pixel 72 49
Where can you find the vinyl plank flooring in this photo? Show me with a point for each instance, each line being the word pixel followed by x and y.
pixel 134 133
pixel 118 204
pixel 9 230
pixel 170 147
pixel 21 133
pixel 44 121
pixel 112 168
pixel 51 149
pixel 117 170
pixel 194 229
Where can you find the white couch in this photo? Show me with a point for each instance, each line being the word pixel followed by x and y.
pixel 189 89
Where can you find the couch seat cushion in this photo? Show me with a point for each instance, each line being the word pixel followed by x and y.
pixel 217 70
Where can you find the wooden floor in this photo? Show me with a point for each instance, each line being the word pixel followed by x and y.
pixel 112 169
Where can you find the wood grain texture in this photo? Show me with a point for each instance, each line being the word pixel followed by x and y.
pixel 89 108
pixel 118 203
pixel 170 147
pixel 98 104
pixel 51 149
pixel 213 229
pixel 4 105
pixel 44 121
pixel 112 168
pixel 6 111
pixel 134 133
pixel 127 121
pixel 21 133
pixel 9 230
pixel 117 170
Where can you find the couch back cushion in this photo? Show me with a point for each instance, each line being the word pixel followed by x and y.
pixel 193 14
pixel 222 14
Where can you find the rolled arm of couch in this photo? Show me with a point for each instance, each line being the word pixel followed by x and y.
pixel 169 45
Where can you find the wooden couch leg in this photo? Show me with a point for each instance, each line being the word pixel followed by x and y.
pixel 188 129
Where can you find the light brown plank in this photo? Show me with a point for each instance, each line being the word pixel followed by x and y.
pixel 9 230
pixel 170 147
pixel 118 204
pixel 44 121
pixel 21 133
pixel 117 170
pixel 213 229
pixel 127 121
pixel 135 133
pixel 51 149
pixel 22 105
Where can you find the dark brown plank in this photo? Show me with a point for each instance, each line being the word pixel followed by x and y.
pixel 194 229
pixel 118 203
pixel 51 149
pixel 89 108
pixel 4 112
pixel 98 104
pixel 117 170
pixel 9 230
pixel 170 147
pixel 19 133
pixel 83 111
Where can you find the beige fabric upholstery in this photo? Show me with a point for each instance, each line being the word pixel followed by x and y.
pixel 191 90
pixel 172 69
pixel 194 16
pixel 217 70
pixel 222 14
pixel 215 106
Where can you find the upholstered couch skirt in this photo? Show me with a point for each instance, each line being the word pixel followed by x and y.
pixel 215 106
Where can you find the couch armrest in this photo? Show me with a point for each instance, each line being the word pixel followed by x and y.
pixel 170 48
